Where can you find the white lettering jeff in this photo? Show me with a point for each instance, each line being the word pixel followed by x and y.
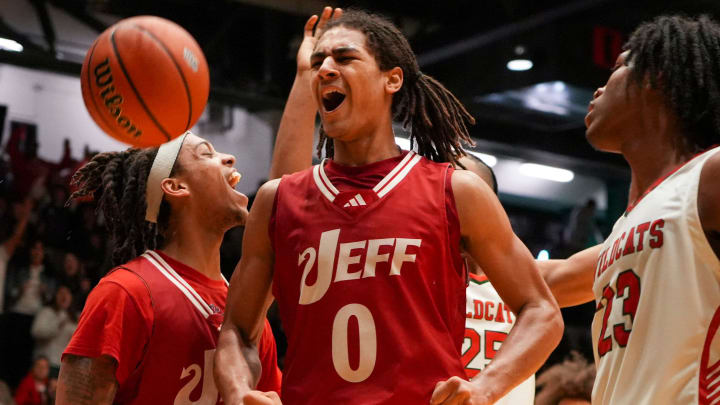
pixel 350 264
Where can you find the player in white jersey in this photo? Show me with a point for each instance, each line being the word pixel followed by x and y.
pixel 487 319
pixel 656 279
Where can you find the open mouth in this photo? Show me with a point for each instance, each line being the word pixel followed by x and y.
pixel 234 179
pixel 332 100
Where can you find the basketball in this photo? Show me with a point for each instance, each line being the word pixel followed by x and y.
pixel 145 81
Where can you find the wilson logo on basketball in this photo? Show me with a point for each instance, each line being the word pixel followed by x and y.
pixel 112 99
pixel 190 59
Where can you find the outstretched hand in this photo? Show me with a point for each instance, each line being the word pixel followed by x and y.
pixel 261 398
pixel 313 29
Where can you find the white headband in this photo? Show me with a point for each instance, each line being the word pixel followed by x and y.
pixel 161 168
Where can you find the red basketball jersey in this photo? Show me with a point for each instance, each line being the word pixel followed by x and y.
pixel 178 360
pixel 369 282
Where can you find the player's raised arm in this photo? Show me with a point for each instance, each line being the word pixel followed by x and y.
pixel 294 142
pixel 489 239
pixel 237 363
pixel 87 381
pixel 571 279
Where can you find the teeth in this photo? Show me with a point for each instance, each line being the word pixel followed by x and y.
pixel 332 92
pixel 234 179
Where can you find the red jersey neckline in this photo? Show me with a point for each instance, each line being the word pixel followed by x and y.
pixel 388 183
pixel 382 166
pixel 188 272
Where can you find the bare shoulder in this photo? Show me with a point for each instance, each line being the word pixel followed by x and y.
pixel 470 191
pixel 85 380
pixel 473 196
pixel 709 194
pixel 265 196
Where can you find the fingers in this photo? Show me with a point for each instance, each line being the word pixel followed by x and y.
pixel 327 14
pixel 310 24
pixel 260 398
pixel 450 392
pixel 324 17
pixel 274 397
pixel 337 13
pixel 442 391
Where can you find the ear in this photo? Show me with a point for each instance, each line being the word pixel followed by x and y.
pixel 174 188
pixel 394 81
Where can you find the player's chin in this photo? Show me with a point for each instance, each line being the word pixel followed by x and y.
pixel 242 216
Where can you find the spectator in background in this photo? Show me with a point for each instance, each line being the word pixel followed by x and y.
pixel 27 168
pixel 6 397
pixel 567 383
pixel 73 276
pixel 55 221
pixel 53 327
pixel 22 213
pixel 27 289
pixel 33 390
pixel 582 231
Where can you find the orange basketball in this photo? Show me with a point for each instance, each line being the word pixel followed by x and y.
pixel 145 81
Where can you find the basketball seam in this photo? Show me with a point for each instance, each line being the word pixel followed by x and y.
pixel 177 65
pixel 90 90
pixel 132 85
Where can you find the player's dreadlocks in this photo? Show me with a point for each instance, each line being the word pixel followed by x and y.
pixel 681 57
pixel 438 120
pixel 117 181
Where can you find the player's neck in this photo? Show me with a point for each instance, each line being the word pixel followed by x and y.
pixel 653 156
pixel 367 149
pixel 196 247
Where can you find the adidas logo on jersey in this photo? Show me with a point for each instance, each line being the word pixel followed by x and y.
pixel 355 201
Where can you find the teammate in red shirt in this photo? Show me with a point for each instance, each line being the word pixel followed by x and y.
pixel 362 252
pixel 148 331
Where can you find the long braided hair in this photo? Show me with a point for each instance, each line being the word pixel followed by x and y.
pixel 438 119
pixel 116 181
pixel 681 57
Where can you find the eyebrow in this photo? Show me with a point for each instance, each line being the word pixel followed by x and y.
pixel 337 51
pixel 206 143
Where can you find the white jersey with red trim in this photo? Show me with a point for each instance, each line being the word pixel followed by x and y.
pixel 487 323
pixel 657 289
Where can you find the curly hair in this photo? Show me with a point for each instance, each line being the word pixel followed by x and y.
pixel 438 120
pixel 680 56
pixel 117 182
pixel 573 378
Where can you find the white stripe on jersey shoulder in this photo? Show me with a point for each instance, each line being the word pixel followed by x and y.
pixel 327 192
pixel 189 292
pixel 396 175
pixel 400 176
pixel 393 171
pixel 326 180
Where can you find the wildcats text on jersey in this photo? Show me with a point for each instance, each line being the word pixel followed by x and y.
pixel 632 241
pixel 488 310
pixel 349 261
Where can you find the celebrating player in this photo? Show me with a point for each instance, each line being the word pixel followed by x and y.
pixel 362 252
pixel 656 279
pixel 149 329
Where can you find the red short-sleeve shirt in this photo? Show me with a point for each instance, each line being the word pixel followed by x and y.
pixel 118 318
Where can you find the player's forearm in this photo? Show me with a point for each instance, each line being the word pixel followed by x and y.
pixel 571 280
pixel 237 365
pixel 294 143
pixel 537 331
pixel 86 381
